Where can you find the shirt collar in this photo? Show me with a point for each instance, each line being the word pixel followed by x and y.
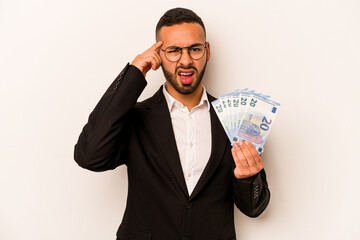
pixel 171 102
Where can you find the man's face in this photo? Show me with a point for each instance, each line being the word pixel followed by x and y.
pixel 186 74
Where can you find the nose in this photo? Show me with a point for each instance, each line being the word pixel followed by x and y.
pixel 185 58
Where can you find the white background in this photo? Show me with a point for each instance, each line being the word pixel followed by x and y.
pixel 58 57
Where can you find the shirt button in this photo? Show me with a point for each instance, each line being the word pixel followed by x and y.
pixel 189 174
pixel 191 145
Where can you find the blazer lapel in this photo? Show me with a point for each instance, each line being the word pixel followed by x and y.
pixel 160 120
pixel 218 146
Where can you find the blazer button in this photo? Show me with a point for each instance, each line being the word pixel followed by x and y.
pixel 188 205
pixel 184 238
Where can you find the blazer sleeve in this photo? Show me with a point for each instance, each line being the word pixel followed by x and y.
pixel 251 197
pixel 102 144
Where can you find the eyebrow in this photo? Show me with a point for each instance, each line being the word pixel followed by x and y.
pixel 193 45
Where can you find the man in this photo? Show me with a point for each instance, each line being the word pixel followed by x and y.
pixel 183 175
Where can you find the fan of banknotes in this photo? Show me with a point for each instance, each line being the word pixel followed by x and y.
pixel 246 115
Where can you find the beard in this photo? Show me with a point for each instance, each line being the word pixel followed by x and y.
pixel 181 88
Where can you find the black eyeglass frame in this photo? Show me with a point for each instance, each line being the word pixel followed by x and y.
pixel 181 52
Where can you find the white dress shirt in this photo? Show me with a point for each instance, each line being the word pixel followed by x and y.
pixel 192 132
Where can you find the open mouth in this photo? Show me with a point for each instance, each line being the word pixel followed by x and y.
pixel 186 76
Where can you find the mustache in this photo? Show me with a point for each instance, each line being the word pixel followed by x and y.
pixel 185 67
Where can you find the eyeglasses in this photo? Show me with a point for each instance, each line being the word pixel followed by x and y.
pixel 174 53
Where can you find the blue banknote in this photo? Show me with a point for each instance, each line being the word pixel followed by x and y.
pixel 246 115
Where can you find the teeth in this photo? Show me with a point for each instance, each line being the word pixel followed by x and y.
pixel 185 74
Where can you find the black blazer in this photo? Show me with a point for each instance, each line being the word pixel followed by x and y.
pixel 140 135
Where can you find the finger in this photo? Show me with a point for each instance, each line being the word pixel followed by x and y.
pixel 242 158
pixel 235 157
pixel 156 46
pixel 158 56
pixel 155 62
pixel 248 156
pixel 158 61
pixel 152 58
pixel 253 152
pixel 149 60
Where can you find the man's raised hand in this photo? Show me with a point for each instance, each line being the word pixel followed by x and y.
pixel 149 59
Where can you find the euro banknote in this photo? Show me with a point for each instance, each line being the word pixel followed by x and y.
pixel 246 115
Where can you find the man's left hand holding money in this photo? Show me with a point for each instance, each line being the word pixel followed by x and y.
pixel 247 160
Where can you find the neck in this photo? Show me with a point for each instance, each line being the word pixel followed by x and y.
pixel 189 100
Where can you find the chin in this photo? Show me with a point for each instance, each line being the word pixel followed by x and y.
pixel 187 89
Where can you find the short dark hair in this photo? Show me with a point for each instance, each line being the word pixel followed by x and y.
pixel 178 16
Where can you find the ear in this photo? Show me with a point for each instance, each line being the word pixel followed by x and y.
pixel 207 51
